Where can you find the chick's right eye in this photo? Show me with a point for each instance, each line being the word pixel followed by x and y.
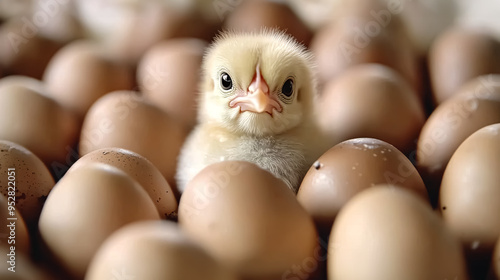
pixel 225 81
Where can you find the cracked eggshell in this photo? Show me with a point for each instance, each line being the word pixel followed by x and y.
pixel 33 180
pixel 85 207
pixel 470 191
pixel 350 167
pixel 154 250
pixel 141 170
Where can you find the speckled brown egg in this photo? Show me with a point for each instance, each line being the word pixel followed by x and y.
pixel 168 75
pixel 389 233
pixel 32 180
pixel 30 118
pixel 470 195
pixel 371 100
pixel 141 170
pixel 154 250
pixel 459 55
pixel 248 220
pixel 256 14
pixel 125 120
pixel 85 207
pixel 350 167
pixel 476 105
pixel 80 73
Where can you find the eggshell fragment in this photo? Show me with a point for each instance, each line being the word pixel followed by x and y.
pixel 350 167
pixel 141 170
pixel 470 192
pixel 154 250
pixel 31 180
pixel 371 100
pixel 80 73
pixel 85 207
pixel 476 105
pixel 125 120
pixel 459 55
pixel 391 233
pixel 247 219
pixel 31 119
pixel 169 74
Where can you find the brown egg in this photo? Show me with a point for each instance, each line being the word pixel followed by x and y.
pixel 31 119
pixel 121 25
pixel 350 167
pixel 476 105
pixel 371 100
pixel 248 220
pixel 23 51
pixel 469 196
pixel 256 14
pixel 122 119
pixel 168 75
pixel 390 233
pixel 459 55
pixel 31 181
pixel 154 250
pixel 80 73
pixel 363 35
pixel 85 207
pixel 14 235
pixel 141 170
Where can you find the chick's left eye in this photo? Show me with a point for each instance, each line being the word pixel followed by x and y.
pixel 225 81
pixel 287 88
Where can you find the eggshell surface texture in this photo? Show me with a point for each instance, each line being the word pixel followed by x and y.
pixel 85 207
pixel 247 219
pixel 141 170
pixel 25 176
pixel 390 233
pixel 470 190
pixel 350 167
pixel 154 250
pixel 125 120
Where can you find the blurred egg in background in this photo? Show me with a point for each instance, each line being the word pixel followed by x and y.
pixel 97 98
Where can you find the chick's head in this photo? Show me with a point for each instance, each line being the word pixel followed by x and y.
pixel 257 83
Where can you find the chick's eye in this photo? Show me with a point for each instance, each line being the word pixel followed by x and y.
pixel 287 88
pixel 225 81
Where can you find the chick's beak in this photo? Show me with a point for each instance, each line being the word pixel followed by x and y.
pixel 257 98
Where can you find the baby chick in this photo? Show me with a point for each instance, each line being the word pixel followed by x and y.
pixel 256 105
